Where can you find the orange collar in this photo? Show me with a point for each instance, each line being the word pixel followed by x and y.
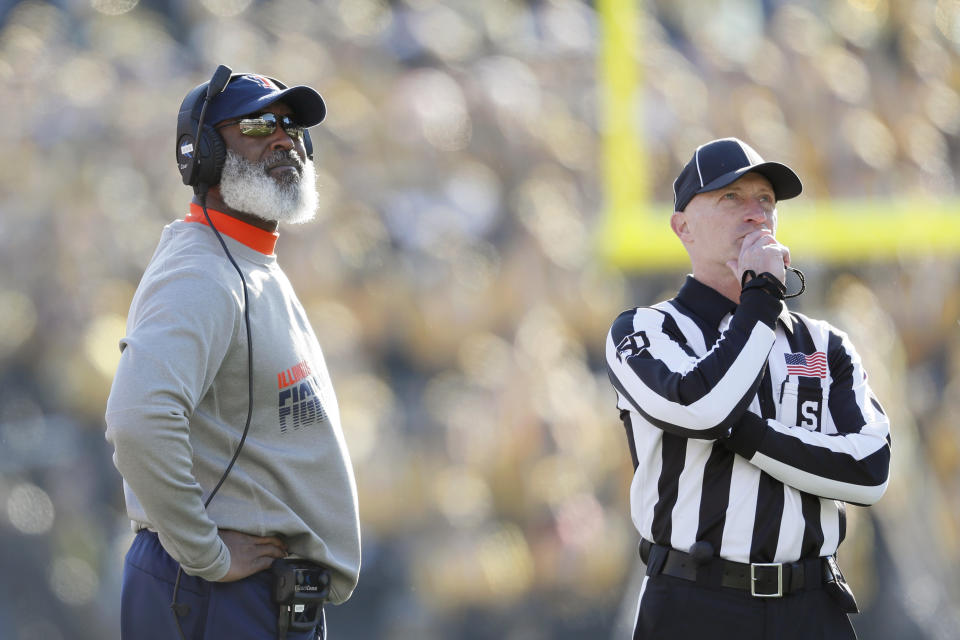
pixel 257 239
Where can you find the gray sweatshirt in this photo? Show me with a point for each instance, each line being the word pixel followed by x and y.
pixel 179 403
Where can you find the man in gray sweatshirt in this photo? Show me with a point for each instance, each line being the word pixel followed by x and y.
pixel 219 359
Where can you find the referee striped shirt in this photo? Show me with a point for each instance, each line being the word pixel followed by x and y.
pixel 749 425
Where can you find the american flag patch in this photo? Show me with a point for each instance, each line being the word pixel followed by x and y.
pixel 813 365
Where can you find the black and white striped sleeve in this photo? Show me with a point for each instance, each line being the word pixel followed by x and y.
pixel 657 374
pixel 851 464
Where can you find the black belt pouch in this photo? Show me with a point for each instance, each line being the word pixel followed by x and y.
pixel 836 585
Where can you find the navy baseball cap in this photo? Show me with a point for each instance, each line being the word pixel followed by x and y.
pixel 718 163
pixel 248 93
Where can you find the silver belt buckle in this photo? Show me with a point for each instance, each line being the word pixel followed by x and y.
pixel 753 579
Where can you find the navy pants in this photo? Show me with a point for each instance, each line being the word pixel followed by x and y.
pixel 678 609
pixel 240 610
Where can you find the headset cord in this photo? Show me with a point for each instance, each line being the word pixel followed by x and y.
pixel 803 284
pixel 180 609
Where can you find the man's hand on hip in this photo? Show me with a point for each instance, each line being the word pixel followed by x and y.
pixel 250 554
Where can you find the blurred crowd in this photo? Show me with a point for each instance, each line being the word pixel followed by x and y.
pixel 454 281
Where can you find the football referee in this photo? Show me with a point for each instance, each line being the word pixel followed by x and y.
pixel 750 426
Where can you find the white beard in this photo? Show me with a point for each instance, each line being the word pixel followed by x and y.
pixel 248 187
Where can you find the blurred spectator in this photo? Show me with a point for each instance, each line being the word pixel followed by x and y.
pixel 455 283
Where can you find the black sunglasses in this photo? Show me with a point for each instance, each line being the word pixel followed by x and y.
pixel 265 124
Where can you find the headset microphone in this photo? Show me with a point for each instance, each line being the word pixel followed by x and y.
pixel 214 88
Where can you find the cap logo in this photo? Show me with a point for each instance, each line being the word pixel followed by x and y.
pixel 264 82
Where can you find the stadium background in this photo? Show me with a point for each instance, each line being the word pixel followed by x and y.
pixel 495 181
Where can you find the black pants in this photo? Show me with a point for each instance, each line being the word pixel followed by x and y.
pixel 239 610
pixel 678 609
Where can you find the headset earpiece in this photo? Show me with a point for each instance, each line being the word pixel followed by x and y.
pixel 186 134
pixel 200 154
pixel 308 144
pixel 213 151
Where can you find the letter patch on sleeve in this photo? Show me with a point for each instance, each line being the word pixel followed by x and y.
pixel 801 404
pixel 631 345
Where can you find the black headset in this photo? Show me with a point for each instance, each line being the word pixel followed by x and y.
pixel 201 151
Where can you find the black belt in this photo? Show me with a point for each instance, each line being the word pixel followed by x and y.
pixel 760 579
